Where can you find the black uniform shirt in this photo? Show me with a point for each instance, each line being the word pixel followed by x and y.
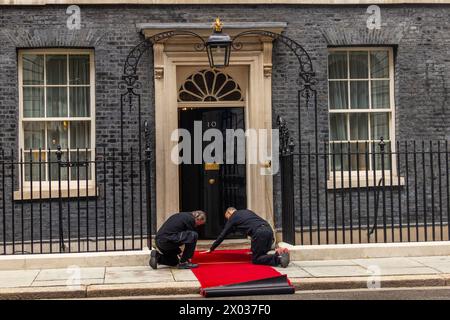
pixel 176 223
pixel 241 220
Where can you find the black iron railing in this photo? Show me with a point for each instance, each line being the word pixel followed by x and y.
pixel 99 199
pixel 78 200
pixel 363 192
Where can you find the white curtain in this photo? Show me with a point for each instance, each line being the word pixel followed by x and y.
pixel 57 134
pixel 79 75
pixel 56 69
pixel 34 135
pixel 56 102
pixel 33 69
pixel 80 134
pixel 338 127
pixel 79 101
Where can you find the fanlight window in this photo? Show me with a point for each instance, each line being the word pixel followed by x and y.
pixel 210 86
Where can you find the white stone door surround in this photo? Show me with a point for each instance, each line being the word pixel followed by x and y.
pixel 178 53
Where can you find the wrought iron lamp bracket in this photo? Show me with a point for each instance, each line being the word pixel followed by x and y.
pixel 305 63
pixel 130 78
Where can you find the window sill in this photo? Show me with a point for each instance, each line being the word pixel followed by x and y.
pixel 26 194
pixel 363 183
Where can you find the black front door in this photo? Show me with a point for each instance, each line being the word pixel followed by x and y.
pixel 212 187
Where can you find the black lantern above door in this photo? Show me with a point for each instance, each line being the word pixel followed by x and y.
pixel 218 47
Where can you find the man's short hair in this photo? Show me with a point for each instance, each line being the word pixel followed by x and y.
pixel 199 215
pixel 230 210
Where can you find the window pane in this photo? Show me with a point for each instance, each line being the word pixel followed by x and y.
pixel 338 127
pixel 53 167
pixel 359 159
pixel 79 69
pixel 79 101
pixel 379 158
pixel 57 102
pixel 33 102
pixel 338 159
pixel 33 69
pixel 379 64
pixel 337 65
pixel 57 134
pixel 347 155
pixel 359 126
pixel 79 171
pixel 34 135
pixel 380 94
pixel 379 123
pixel 80 133
pixel 359 93
pixel 56 69
pixel 338 94
pixel 31 169
pixel 359 64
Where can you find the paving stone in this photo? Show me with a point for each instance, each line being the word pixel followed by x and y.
pixel 336 271
pixel 183 275
pixel 388 262
pixel 433 260
pixel 439 263
pixel 293 272
pixel 408 271
pixel 17 278
pixel 138 276
pixel 68 273
pixel 441 267
pixel 57 283
pixel 323 263
pixel 133 268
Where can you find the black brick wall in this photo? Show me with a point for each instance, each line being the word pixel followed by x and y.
pixel 419 34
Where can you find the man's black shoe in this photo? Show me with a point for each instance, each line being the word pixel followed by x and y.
pixel 187 265
pixel 284 259
pixel 154 255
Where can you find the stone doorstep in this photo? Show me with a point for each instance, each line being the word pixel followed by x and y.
pixel 191 287
pixel 367 250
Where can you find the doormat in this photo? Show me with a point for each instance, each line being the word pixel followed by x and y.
pixel 231 273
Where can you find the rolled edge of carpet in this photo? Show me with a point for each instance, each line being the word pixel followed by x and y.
pixel 274 285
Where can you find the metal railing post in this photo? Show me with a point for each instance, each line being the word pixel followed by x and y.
pixel 61 232
pixel 287 183
pixel 148 184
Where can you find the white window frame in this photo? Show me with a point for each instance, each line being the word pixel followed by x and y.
pixel 361 173
pixel 49 190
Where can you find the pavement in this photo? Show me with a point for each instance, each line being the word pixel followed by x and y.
pixel 94 282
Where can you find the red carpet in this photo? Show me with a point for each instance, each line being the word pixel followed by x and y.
pixel 225 267
pixel 228 256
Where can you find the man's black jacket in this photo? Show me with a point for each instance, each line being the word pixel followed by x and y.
pixel 177 223
pixel 241 220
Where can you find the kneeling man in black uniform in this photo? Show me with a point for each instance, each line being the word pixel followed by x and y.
pixel 261 234
pixel 178 230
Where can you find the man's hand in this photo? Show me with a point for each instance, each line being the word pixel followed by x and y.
pixel 207 251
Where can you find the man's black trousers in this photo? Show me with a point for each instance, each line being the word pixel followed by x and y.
pixel 262 241
pixel 170 247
